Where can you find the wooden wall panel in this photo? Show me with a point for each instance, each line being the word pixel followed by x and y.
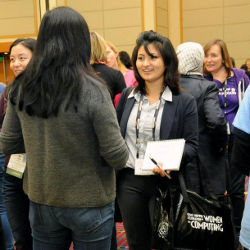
pixel 121 18
pixel 121 38
pixel 86 5
pixel 233 2
pixel 94 19
pixel 224 19
pixel 198 4
pixel 17 27
pixel 118 21
pixel 162 21
pixel 202 17
pixel 120 4
pixel 237 14
pixel 201 35
pixel 18 18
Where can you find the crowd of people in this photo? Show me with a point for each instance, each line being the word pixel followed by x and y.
pixel 79 115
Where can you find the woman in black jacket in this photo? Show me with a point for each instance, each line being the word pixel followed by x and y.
pixel 212 125
pixel 98 60
pixel 155 110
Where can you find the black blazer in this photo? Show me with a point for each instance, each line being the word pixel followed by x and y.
pixel 113 78
pixel 179 120
pixel 212 132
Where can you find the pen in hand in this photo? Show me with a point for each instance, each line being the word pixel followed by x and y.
pixel 155 162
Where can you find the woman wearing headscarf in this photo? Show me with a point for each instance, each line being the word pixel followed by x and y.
pixel 212 125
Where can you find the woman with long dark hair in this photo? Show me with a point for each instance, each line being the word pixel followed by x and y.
pixel 154 110
pixel 16 201
pixel 64 119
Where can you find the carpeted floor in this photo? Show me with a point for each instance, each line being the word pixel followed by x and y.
pixel 121 236
pixel 246 187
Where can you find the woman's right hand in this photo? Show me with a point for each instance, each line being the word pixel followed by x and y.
pixel 160 171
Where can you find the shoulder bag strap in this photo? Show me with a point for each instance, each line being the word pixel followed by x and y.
pixel 241 89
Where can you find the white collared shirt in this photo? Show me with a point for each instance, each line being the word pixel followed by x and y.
pixel 145 123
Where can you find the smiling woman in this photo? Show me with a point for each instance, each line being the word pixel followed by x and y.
pixel 19 58
pixel 150 66
pixel 232 84
pixel 16 201
pixel 155 110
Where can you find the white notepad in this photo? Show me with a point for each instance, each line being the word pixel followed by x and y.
pixel 167 152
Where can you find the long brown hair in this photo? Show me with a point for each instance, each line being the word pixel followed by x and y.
pixel 226 61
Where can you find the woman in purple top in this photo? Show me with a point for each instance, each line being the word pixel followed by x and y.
pixel 232 84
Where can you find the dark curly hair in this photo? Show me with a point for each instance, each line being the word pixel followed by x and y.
pixel 166 49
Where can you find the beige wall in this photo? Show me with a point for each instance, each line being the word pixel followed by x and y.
pixel 225 19
pixel 162 21
pixel 18 18
pixel 118 21
pixel 149 15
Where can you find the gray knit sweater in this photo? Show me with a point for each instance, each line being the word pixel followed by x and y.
pixel 71 157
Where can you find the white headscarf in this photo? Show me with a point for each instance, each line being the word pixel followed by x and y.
pixel 191 56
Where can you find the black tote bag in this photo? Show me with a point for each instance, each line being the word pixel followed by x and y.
pixel 195 222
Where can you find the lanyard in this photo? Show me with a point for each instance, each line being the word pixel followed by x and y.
pixel 225 96
pixel 225 106
pixel 138 116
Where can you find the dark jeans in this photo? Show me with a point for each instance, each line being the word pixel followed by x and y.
pixel 236 192
pixel 17 208
pixel 7 237
pixel 2 243
pixel 113 245
pixel 53 228
pixel 134 195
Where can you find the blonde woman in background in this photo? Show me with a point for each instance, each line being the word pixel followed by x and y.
pixel 112 55
pixel 114 61
pixel 98 61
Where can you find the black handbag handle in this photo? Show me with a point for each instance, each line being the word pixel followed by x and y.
pixel 183 187
pixel 185 193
